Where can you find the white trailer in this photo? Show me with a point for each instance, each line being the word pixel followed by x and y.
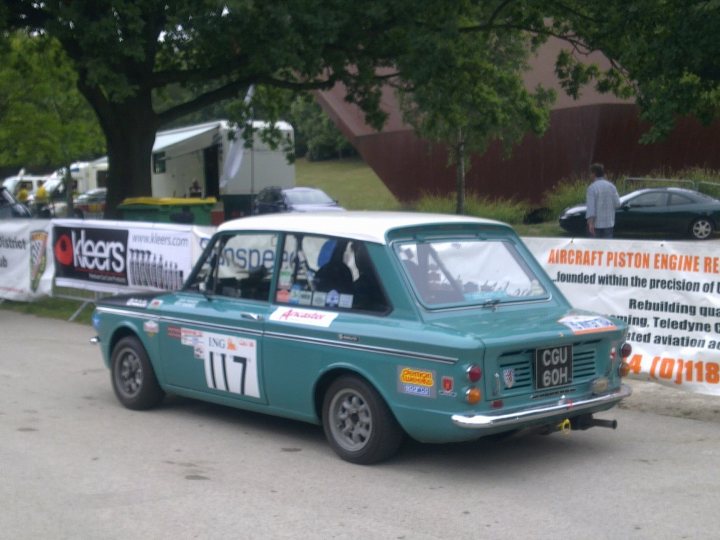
pixel 89 175
pixel 215 156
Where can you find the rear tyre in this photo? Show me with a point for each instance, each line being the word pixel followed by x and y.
pixel 702 229
pixel 133 377
pixel 358 423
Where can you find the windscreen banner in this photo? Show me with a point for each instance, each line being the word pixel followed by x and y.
pixel 667 292
pixel 122 256
pixel 26 264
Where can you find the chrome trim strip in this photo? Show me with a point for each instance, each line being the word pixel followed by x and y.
pixel 174 320
pixel 365 348
pixel 485 421
pixel 289 337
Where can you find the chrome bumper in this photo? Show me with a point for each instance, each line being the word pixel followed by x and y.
pixel 564 405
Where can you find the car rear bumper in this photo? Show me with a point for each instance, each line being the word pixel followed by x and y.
pixel 525 416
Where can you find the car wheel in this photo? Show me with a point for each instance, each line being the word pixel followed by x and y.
pixel 133 378
pixel 358 423
pixel 701 228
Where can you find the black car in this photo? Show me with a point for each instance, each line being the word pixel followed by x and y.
pixel 670 210
pixel 296 199
pixel 10 207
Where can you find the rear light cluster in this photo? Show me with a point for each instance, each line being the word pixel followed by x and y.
pixel 474 374
pixel 625 352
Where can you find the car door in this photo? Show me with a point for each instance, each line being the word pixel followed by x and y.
pixel 643 213
pixel 328 298
pixel 213 329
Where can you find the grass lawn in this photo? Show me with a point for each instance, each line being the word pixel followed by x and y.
pixel 349 181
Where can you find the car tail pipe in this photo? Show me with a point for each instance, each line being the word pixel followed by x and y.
pixel 587 421
pixel 582 422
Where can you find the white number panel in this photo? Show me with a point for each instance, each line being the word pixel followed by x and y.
pixel 230 362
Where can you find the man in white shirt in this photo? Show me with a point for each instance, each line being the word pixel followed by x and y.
pixel 602 199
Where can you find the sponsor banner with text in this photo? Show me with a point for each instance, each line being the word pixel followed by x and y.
pixel 122 256
pixel 667 292
pixel 26 265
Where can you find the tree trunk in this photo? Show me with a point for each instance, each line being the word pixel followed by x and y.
pixel 129 128
pixel 460 176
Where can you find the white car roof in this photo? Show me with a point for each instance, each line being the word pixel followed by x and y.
pixel 356 225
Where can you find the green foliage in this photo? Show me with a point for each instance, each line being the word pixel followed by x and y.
pixel 566 193
pixel 465 89
pixel 44 121
pixel 315 134
pixel 505 210
pixel 663 51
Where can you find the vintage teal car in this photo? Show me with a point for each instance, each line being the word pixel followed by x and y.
pixel 375 325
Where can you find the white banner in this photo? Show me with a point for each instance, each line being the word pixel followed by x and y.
pixel 26 265
pixel 124 256
pixel 668 293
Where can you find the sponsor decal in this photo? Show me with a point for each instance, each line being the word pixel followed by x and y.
pixel 38 257
pixel 447 386
pixel 190 337
pixel 88 254
pixel 155 303
pixel 416 382
pixel 151 328
pixel 332 299
pixel 587 324
pixel 136 302
pixel 319 299
pixel 303 316
pixel 174 332
pixel 345 301
pixel 509 377
pixel 230 362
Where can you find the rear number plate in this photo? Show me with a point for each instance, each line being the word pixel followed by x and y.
pixel 553 367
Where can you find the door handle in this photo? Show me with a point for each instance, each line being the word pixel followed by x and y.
pixel 250 316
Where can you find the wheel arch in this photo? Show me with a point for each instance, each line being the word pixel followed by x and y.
pixel 329 376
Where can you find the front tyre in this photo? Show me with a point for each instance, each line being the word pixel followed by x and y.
pixel 133 377
pixel 701 228
pixel 358 424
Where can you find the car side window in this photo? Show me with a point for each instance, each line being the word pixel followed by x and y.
pixel 239 265
pixel 677 199
pixel 327 272
pixel 648 200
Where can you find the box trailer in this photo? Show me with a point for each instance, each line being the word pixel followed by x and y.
pixel 214 156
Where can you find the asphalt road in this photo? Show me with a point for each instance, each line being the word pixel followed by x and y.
pixel 74 464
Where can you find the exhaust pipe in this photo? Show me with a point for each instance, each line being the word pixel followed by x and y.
pixel 597 422
pixel 586 421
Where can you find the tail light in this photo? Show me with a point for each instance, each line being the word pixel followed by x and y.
pixel 474 373
pixel 625 350
pixel 473 395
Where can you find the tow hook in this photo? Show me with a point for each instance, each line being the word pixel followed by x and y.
pixel 565 426
pixel 586 421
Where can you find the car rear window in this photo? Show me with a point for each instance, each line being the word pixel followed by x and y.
pixel 463 272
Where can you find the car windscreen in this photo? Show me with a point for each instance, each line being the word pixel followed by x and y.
pixel 308 197
pixel 465 272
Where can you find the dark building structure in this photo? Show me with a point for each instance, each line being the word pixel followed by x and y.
pixel 595 128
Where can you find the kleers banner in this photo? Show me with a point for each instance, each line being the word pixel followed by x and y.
pixel 121 256
pixel 26 266
pixel 667 292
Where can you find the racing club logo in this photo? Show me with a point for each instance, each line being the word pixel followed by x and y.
pixel 91 254
pixel 38 257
